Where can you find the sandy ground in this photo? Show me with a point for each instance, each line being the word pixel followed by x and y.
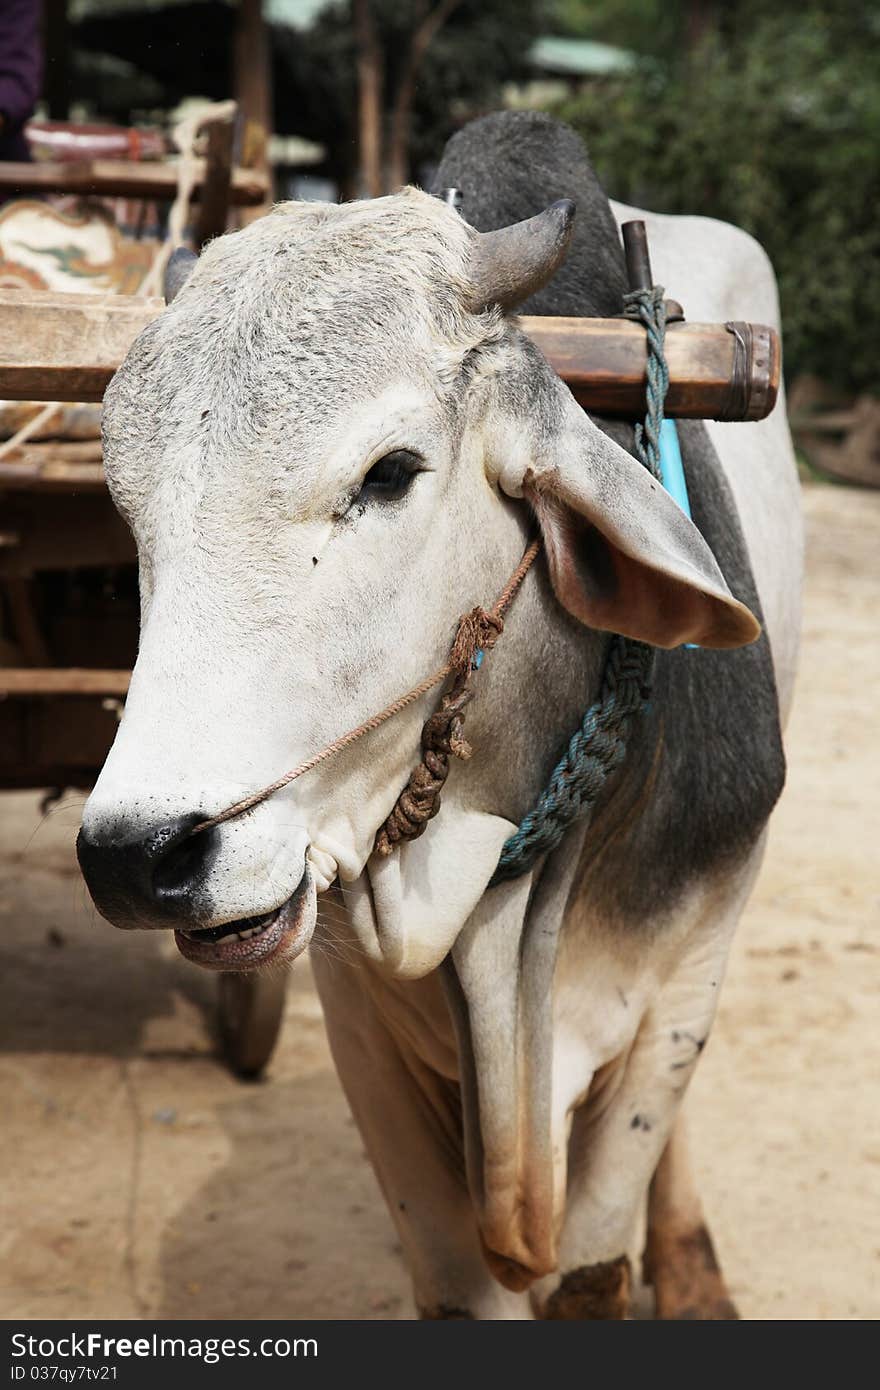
pixel 141 1179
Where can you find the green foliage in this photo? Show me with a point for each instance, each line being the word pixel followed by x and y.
pixel 771 122
pixel 654 27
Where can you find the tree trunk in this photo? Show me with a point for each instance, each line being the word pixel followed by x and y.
pixel 370 81
pixel 429 24
pixel 700 17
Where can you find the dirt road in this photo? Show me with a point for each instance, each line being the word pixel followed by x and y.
pixel 140 1179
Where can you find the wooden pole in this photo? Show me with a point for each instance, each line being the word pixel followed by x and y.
pixel 114 178
pixel 214 204
pixel 370 71
pixel 253 92
pixel 65 680
pixel 65 347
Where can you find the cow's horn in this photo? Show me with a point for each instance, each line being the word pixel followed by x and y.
pixel 509 265
pixel 178 270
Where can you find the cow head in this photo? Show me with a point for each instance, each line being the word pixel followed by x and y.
pixel 331 444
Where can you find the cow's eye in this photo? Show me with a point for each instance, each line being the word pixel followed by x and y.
pixel 390 476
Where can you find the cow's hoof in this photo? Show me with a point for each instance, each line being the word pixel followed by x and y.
pixel 510 1273
pixel 593 1292
pixel 687 1279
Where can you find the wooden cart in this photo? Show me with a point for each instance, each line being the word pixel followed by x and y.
pixel 68 568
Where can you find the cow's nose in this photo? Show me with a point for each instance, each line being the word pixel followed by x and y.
pixel 151 879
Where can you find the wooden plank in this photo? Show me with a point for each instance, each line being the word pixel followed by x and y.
pixel 31 474
pixel 22 776
pixel 19 592
pixel 67 680
pixel 75 451
pixel 54 532
pixel 58 465
pixel 119 178
pixel 54 741
pixel 66 347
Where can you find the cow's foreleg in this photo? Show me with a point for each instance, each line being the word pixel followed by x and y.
pixel 621 1127
pixel 679 1258
pixel 384 1040
pixel 618 1135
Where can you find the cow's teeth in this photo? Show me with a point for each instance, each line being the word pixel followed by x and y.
pixel 244 934
pixel 257 930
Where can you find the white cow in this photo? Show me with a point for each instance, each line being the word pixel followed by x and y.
pixel 333 443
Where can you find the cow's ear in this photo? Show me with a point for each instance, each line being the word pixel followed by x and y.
pixel 623 556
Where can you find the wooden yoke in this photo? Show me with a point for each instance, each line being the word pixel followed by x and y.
pixel 602 361
pixel 65 347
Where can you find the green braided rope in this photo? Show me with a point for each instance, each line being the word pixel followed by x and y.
pixel 599 745
pixel 649 307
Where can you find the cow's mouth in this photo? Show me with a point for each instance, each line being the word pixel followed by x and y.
pixel 252 942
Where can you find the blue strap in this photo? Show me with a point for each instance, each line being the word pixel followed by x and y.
pixel 673 479
pixel 671 466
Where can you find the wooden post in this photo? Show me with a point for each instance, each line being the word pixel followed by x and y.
pixel 370 71
pixel 253 92
pixel 214 204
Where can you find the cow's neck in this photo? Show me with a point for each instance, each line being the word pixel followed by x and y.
pixel 531 696
pixel 428 904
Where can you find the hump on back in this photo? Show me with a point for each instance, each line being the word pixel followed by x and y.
pixel 510 166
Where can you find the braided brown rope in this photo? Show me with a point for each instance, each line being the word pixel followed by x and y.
pixel 478 630
pixel 442 736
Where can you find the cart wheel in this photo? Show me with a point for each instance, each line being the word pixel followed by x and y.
pixel 250 1006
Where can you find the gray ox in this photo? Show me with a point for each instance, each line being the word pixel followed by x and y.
pixel 333 443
